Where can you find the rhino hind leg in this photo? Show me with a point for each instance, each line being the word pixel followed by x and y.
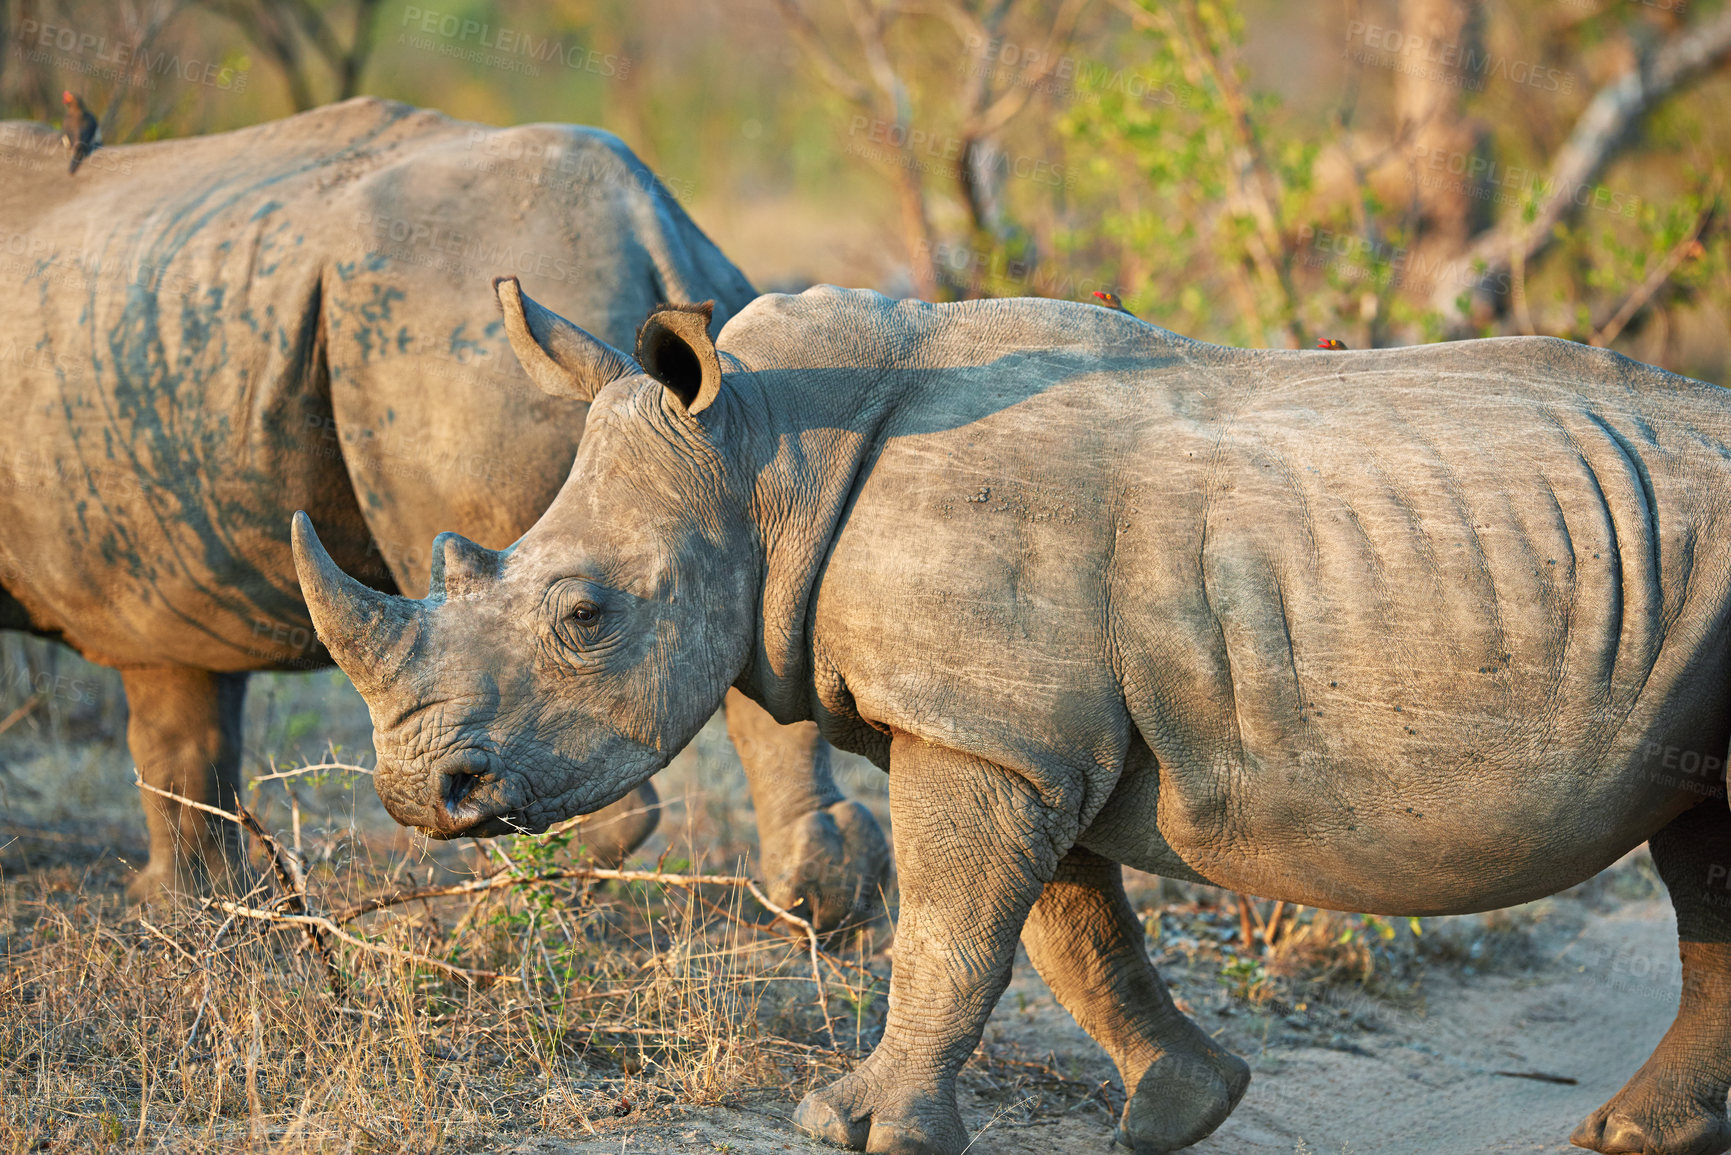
pixel 1086 943
pixel 1675 1104
pixel 183 728
pixel 819 847
pixel 974 846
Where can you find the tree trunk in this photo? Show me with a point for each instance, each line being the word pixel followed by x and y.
pixel 1442 47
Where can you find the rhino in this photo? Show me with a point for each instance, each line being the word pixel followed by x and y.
pixel 1413 631
pixel 1416 631
pixel 204 335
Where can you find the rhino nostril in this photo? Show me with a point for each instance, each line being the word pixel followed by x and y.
pixel 459 784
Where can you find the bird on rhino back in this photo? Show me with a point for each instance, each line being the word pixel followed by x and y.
pixel 227 328
pixel 1394 631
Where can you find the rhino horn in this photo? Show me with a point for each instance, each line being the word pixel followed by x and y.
pixel 563 359
pixel 366 631
pixel 459 566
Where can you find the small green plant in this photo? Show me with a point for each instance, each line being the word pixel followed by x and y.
pixel 1247 980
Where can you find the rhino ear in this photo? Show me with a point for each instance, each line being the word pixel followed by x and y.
pixel 561 358
pixel 674 347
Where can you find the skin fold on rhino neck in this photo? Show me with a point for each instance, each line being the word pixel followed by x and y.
pixel 805 466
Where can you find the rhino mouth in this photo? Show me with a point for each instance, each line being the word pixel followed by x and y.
pixel 493 827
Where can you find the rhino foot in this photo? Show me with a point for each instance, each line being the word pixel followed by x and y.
pixel 837 862
pixel 152 886
pixel 1653 1116
pixel 856 1113
pixel 161 883
pixel 1181 1098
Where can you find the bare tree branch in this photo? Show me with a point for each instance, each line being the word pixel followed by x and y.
pixel 271 26
pixel 828 67
pixel 1600 132
pixel 895 108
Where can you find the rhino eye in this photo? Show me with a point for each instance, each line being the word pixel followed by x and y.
pixel 585 613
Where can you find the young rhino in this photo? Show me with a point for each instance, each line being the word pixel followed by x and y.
pixel 1416 631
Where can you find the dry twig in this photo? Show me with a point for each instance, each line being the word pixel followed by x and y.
pixel 316 926
pixel 315 768
pixel 18 715
pixel 1655 280
pixel 290 875
pixel 331 928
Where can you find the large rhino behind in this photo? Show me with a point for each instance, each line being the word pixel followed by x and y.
pixel 201 336
pixel 1415 631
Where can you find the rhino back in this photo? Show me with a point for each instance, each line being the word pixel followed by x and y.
pixel 215 332
pixel 1323 607
pixel 158 375
pixel 441 427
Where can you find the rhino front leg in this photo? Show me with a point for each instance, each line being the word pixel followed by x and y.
pixel 818 845
pixel 975 843
pixel 183 728
pixel 1675 1104
pixel 1086 943
pixel 614 831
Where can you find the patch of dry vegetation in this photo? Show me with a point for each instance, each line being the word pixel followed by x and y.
pixel 187 1029
pixel 195 1028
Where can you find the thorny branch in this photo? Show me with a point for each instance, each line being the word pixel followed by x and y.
pixel 314 768
pixel 290 874
pixel 319 922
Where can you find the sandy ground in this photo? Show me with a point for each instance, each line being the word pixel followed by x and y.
pixel 1378 1081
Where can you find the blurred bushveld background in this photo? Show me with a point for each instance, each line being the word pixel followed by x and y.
pixel 1254 172
pixel 1244 171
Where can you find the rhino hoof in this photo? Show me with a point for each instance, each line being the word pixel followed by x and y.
pixel 1180 1100
pixel 821 1119
pixel 150 888
pixel 854 1113
pixel 1625 1129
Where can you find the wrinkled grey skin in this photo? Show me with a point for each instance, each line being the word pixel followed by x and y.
pixel 205 335
pixel 1414 631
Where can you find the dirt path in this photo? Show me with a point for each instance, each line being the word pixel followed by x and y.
pixel 1425 1084
pixel 1386 1082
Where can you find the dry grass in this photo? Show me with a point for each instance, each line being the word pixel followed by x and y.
pixel 190 1029
pixel 184 1029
